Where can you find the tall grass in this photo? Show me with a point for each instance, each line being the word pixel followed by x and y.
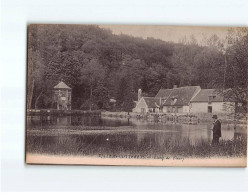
pixel 79 145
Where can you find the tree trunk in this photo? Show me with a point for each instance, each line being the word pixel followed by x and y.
pixel 36 101
pixel 90 97
pixel 30 96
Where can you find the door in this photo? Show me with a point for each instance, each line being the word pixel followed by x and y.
pixel 209 109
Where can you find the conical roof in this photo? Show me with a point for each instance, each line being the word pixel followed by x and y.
pixel 61 85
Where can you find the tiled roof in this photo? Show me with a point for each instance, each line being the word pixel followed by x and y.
pixel 61 85
pixel 152 102
pixel 163 93
pixel 203 95
pixel 181 95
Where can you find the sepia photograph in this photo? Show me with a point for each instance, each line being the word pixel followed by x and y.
pixel 139 95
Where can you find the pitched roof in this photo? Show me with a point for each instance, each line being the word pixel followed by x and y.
pixel 181 95
pixel 203 95
pixel 163 93
pixel 152 102
pixel 61 85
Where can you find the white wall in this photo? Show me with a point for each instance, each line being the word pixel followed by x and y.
pixel 141 104
pixel 199 107
pixel 217 107
pixel 165 109
pixel 185 109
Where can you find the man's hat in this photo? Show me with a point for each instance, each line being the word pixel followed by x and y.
pixel 214 116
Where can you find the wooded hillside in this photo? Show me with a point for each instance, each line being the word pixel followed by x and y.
pixel 99 65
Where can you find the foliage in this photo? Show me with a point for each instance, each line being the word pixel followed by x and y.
pixel 99 65
pixel 235 84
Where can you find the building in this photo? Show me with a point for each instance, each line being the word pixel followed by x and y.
pixel 179 99
pixel 112 104
pixel 176 100
pixel 163 94
pixel 148 104
pixel 189 99
pixel 62 96
pixel 209 101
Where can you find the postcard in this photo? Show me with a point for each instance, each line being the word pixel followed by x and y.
pixel 139 95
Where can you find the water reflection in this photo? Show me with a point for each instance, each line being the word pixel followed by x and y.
pixel 132 135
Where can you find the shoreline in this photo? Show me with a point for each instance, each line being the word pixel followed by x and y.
pixel 99 131
pixel 182 118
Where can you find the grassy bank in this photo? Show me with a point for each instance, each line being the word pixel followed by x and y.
pixel 76 145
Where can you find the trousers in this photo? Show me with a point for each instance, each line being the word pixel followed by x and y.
pixel 215 140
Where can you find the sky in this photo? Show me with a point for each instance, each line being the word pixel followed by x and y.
pixel 168 33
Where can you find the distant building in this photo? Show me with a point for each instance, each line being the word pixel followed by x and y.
pixel 62 96
pixel 189 99
pixel 209 101
pixel 178 101
pixel 148 104
pixel 112 104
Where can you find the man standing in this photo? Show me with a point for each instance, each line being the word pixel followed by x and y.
pixel 216 130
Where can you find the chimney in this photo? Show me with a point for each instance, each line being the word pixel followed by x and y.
pixel 139 94
pixel 174 86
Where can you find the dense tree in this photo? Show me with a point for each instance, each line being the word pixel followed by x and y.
pixel 99 65
pixel 235 82
pixel 92 74
pixel 125 94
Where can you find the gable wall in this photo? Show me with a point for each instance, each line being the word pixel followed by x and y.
pixel 141 104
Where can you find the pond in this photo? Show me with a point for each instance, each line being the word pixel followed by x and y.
pixel 82 135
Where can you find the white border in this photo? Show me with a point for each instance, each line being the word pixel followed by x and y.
pixel 16 176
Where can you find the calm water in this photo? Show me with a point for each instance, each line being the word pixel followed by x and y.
pixel 93 135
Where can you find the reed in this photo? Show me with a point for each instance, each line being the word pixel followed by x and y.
pixel 78 145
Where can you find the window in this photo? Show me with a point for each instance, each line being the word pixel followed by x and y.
pixel 211 98
pixel 173 101
pixel 180 109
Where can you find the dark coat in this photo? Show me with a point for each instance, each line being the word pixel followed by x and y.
pixel 217 129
